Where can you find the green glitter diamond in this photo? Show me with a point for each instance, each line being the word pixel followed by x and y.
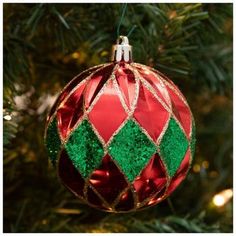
pixel 53 142
pixel 193 139
pixel 84 149
pixel 131 149
pixel 173 147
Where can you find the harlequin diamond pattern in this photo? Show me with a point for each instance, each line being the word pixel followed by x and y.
pixel 173 147
pixel 132 153
pixel 84 149
pixel 131 149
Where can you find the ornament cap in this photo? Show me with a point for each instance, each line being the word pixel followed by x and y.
pixel 122 51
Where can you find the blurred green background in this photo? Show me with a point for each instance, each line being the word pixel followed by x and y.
pixel 46 45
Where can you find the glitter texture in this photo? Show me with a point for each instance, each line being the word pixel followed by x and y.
pixel 122 136
pixel 131 149
pixel 173 147
pixel 53 142
pixel 193 139
pixel 84 149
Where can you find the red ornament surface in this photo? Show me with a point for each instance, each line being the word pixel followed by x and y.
pixel 103 111
pixel 107 96
pixel 152 179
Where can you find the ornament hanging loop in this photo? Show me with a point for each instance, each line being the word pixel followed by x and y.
pixel 122 51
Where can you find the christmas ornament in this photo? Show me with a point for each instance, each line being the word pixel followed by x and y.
pixel 121 134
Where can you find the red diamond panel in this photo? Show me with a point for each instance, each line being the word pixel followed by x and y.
pixel 151 180
pixel 108 180
pixel 69 176
pixel 150 114
pixel 109 111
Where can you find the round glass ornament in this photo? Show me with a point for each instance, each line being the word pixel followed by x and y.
pixel 121 134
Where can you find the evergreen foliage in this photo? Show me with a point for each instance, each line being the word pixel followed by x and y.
pixel 46 45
